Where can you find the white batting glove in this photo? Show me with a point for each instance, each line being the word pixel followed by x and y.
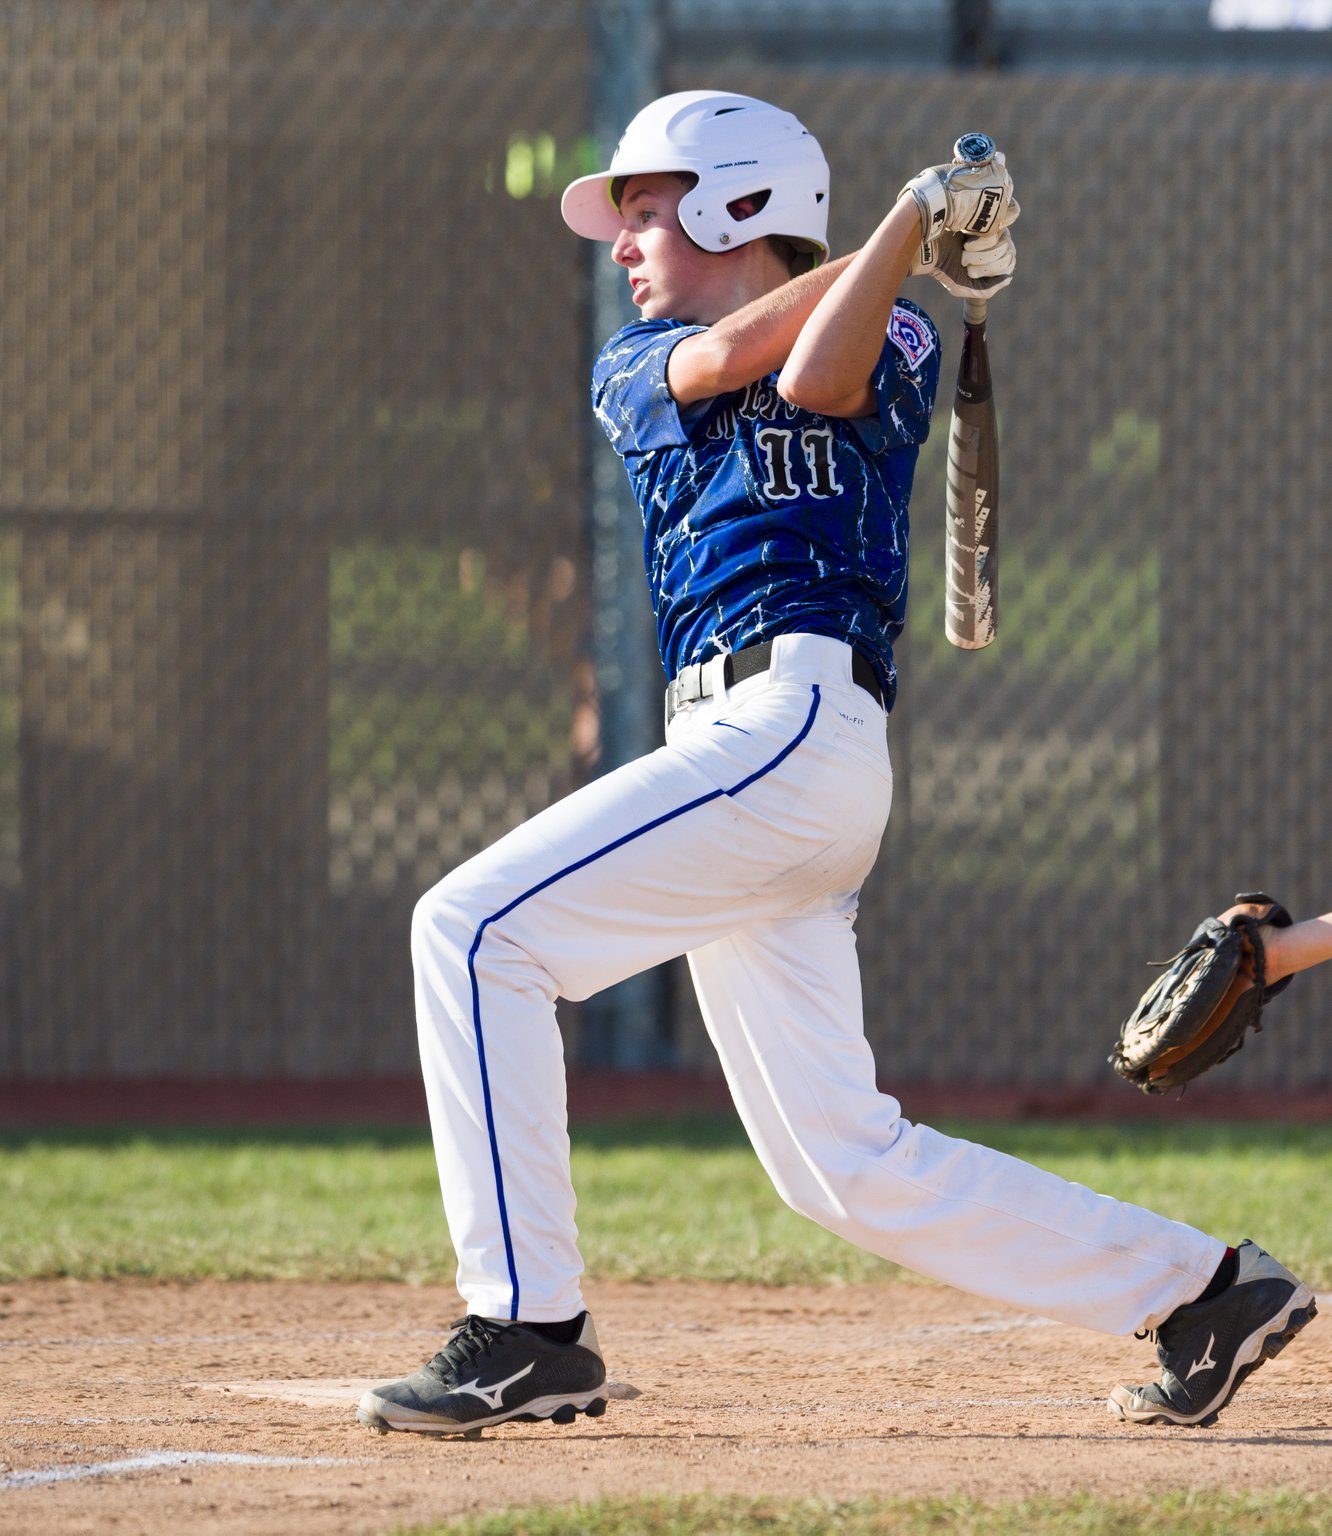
pixel 962 198
pixel 990 256
pixel 968 269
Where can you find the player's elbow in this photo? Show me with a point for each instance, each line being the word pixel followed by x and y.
pixel 708 364
pixel 813 390
pixel 803 388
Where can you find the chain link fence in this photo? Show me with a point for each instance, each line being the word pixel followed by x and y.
pixel 295 585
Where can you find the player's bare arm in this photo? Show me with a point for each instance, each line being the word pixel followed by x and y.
pixel 753 308
pixel 833 358
pixel 831 364
pixel 750 343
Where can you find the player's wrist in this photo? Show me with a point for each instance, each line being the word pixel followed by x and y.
pixel 929 195
pixel 963 198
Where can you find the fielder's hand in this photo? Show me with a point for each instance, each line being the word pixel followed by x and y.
pixel 1214 990
pixel 968 269
pixel 963 198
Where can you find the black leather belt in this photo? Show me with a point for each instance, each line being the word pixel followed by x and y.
pixel 695 681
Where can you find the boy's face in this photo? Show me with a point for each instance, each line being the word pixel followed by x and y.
pixel 671 277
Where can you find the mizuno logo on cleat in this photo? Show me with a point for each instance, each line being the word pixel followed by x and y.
pixel 493 1397
pixel 1206 1363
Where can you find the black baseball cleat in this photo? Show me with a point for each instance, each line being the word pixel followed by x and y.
pixel 489 1373
pixel 1207 1348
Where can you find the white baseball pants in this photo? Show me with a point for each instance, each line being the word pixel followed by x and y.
pixel 743 844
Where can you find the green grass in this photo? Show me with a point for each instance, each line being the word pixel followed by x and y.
pixel 190 1205
pixel 681 1199
pixel 1180 1514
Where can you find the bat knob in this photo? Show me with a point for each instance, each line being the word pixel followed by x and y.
pixel 974 148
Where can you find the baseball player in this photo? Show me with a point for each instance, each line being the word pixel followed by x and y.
pixel 768 405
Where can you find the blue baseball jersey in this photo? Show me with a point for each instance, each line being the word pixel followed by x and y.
pixel 761 518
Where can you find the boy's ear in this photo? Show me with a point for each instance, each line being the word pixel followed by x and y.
pixel 746 207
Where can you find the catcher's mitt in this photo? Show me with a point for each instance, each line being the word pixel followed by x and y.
pixel 1198 1012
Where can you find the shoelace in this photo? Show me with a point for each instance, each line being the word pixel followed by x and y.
pixel 1159 1336
pixel 475 1337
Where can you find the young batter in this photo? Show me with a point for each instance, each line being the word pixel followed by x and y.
pixel 769 424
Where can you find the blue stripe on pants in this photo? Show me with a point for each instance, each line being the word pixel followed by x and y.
pixel 550 880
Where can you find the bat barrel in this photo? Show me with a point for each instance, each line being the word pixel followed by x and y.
pixel 971 524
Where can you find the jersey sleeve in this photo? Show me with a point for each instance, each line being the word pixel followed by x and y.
pixel 630 395
pixel 905 381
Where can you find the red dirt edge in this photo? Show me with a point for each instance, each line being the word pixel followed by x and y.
pixel 594 1096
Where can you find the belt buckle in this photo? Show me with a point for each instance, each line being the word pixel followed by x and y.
pixel 684 688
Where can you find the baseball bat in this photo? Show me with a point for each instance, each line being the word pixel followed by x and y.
pixel 971 557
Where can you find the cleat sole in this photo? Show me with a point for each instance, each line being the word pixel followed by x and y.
pixel 562 1414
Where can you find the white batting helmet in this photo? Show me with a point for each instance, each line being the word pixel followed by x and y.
pixel 737 147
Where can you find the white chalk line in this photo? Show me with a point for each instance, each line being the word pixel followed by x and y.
pixel 75 1423
pixel 931 1404
pixel 157 1461
pixel 999 1325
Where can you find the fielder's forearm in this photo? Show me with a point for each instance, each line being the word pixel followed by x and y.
pixel 1296 948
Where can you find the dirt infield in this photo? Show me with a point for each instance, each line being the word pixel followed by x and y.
pixel 227 1407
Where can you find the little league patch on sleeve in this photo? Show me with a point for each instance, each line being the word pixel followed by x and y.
pixel 911 336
